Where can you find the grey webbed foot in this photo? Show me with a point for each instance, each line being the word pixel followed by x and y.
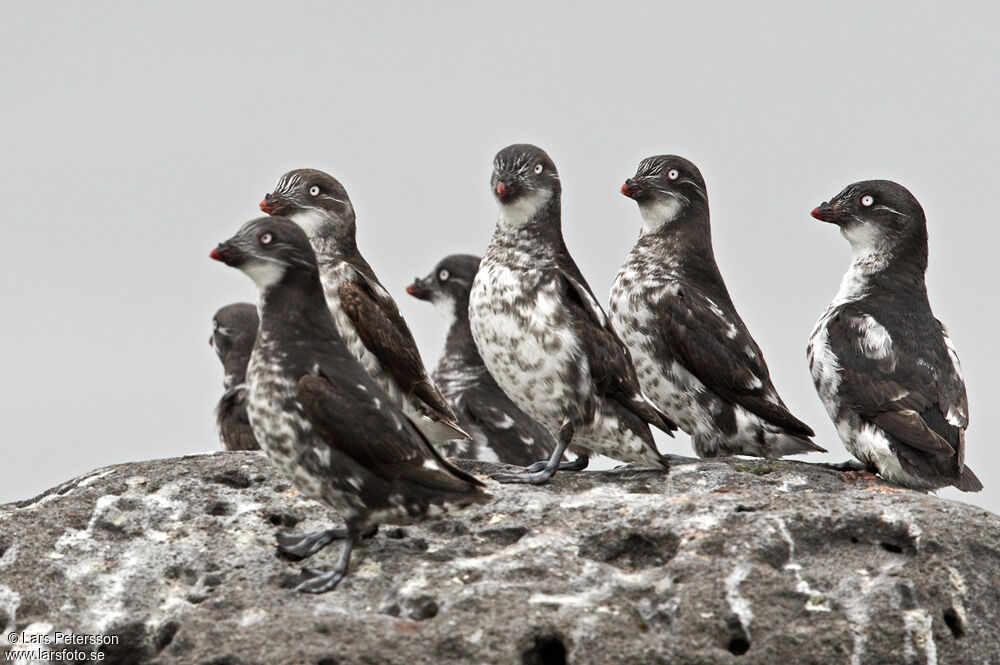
pixel 321 581
pixel 531 476
pixel 304 545
pixel 849 465
pixel 579 464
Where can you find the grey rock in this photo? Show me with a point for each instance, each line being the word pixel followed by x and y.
pixel 722 561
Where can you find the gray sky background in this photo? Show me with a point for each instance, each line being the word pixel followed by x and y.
pixel 137 135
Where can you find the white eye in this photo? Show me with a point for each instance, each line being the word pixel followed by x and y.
pixel 314 190
pixel 538 168
pixel 867 200
pixel 444 275
pixel 266 238
pixel 673 174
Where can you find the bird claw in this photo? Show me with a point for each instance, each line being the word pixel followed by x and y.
pixel 320 581
pixel 522 478
pixel 579 464
pixel 303 545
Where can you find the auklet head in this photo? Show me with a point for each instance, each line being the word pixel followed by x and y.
pixel 447 286
pixel 664 187
pixel 878 217
pixel 524 181
pixel 269 250
pixel 234 329
pixel 312 199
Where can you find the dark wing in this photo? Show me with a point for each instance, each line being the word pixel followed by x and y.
pixel 377 435
pixel 610 363
pixel 510 432
pixel 234 425
pixel 719 351
pixel 916 395
pixel 384 332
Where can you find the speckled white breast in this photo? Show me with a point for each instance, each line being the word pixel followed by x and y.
pixel 665 382
pixel 521 331
pixel 866 442
pixel 823 364
pixel 671 387
pixel 285 434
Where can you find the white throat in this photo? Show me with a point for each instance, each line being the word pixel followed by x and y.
pixel 524 208
pixel 264 273
pixel 868 256
pixel 311 220
pixel 867 249
pixel 655 214
pixel 446 308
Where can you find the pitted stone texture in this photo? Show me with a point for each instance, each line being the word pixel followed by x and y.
pixel 730 561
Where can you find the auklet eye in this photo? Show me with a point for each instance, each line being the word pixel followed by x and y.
pixel 443 275
pixel 673 174
pixel 867 200
pixel 266 238
pixel 538 168
pixel 314 190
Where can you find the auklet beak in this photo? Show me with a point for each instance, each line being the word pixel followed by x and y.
pixel 269 204
pixel 628 189
pixel 227 254
pixel 824 212
pixel 502 189
pixel 417 290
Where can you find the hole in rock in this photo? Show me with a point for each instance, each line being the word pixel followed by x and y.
pixel 233 478
pixel 282 519
pixel 738 645
pixel 166 635
pixel 547 651
pixel 422 608
pixel 891 547
pixel 219 508
pixel 504 536
pixel 954 622
pixel 129 647
pixel 631 551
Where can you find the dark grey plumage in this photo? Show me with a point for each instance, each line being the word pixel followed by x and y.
pixel 882 363
pixel 500 431
pixel 693 354
pixel 322 420
pixel 543 335
pixel 366 316
pixel 234 329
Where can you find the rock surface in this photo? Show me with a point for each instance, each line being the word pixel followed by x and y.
pixel 732 561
